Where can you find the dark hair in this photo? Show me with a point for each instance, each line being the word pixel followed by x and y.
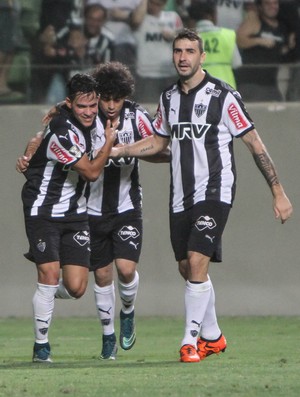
pixel 93 7
pixel 189 35
pixel 114 80
pixel 202 9
pixel 81 83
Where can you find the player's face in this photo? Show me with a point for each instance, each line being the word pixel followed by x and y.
pixel 94 21
pixel 84 108
pixel 187 58
pixel 270 8
pixel 111 107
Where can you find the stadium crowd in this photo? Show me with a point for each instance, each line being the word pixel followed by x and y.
pixel 44 42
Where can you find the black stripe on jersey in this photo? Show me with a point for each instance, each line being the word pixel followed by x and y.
pixel 213 191
pixel 111 182
pixel 135 190
pixel 112 173
pixel 186 149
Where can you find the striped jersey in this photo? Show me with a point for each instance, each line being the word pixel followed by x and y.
pixel 201 126
pixel 53 190
pixel 118 188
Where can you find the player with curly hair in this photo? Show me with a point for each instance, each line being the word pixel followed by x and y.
pixel 115 207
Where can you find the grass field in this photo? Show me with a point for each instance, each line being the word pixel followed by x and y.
pixel 262 359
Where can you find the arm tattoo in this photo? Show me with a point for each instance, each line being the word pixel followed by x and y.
pixel 147 148
pixel 143 151
pixel 266 166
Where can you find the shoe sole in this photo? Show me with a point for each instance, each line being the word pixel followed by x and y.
pixel 189 361
pixel 39 360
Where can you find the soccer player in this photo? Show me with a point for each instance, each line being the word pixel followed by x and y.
pixel 54 203
pixel 115 207
pixel 200 115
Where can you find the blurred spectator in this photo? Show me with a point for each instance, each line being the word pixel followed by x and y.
pixel 154 68
pixel 222 53
pixel 230 13
pixel 179 6
pixel 50 73
pixel 264 40
pixel 290 14
pixel 124 16
pixel 79 48
pixel 69 53
pixel 10 38
pixel 100 44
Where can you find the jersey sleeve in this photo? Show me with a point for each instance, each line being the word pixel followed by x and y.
pixel 64 146
pixel 235 115
pixel 144 123
pixel 160 124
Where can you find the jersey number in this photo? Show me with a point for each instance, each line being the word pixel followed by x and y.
pixel 212 45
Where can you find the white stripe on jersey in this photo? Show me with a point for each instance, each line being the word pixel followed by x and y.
pixel 43 188
pixel 67 193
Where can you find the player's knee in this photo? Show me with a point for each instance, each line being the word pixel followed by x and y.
pixel 126 276
pixel 77 291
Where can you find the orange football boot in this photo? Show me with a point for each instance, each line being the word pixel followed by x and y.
pixel 188 354
pixel 208 347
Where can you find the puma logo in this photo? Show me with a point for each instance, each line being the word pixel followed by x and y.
pixel 42 321
pixel 104 311
pixel 134 244
pixel 210 238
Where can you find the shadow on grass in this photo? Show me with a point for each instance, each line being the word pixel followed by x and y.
pixel 94 363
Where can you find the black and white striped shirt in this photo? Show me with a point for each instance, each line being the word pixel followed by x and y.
pixel 53 189
pixel 201 126
pixel 118 188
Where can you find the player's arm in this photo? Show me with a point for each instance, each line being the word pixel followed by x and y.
pixel 163 156
pixel 141 149
pixel 32 146
pixel 281 204
pixel 91 169
pixel 137 16
pixel 246 34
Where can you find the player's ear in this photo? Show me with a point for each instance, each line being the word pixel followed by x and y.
pixel 68 102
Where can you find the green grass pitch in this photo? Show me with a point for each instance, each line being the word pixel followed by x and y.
pixel 262 359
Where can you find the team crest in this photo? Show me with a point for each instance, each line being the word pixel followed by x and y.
pixel 41 246
pixel 125 137
pixel 75 151
pixel 200 109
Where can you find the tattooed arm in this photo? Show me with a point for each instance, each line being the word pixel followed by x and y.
pixel 281 204
pixel 141 149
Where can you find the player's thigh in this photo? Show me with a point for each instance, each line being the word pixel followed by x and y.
pixel 75 244
pixel 180 229
pixel 208 223
pixel 102 254
pixel 44 240
pixel 75 279
pixel 128 235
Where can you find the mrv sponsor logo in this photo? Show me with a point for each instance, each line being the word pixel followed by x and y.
pixel 189 130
